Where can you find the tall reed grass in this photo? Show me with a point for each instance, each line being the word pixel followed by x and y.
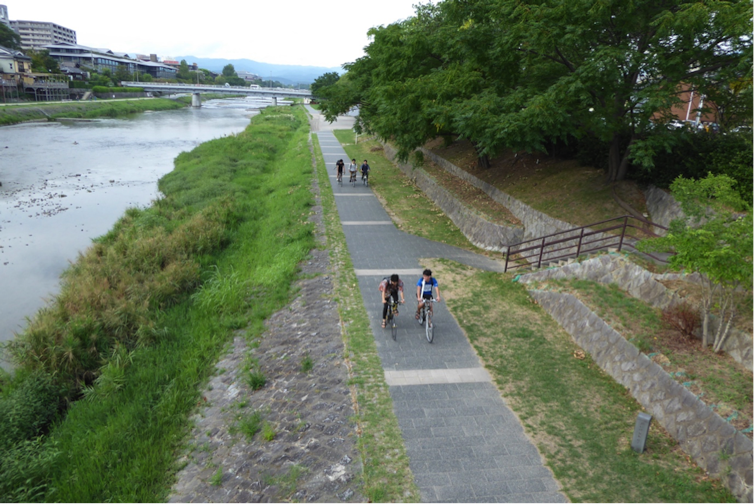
pixel 143 315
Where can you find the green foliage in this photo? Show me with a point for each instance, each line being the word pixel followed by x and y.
pixel 256 380
pixel 229 71
pixel 323 81
pixel 268 432
pixel 9 38
pixel 42 62
pixel 106 89
pixel 307 363
pixel 27 410
pixel 521 75
pixel 249 425
pixel 713 240
pixel 217 478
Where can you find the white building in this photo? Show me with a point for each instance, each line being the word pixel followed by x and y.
pixel 37 34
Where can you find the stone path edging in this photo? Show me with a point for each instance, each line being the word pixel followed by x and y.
pixel 644 285
pixel 702 433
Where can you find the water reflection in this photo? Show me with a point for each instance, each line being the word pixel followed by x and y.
pixel 68 182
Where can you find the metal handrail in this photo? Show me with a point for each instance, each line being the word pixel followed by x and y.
pixel 539 244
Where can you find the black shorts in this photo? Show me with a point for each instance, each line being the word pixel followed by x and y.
pixel 427 296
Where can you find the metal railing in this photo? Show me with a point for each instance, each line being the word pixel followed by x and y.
pixel 577 241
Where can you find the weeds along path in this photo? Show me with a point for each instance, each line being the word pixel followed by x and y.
pixel 144 316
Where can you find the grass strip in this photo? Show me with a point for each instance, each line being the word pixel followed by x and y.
pixel 406 204
pixel 84 110
pixel 580 419
pixel 121 444
pixel 387 477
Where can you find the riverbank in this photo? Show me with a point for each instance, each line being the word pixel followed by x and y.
pixel 143 316
pixel 84 110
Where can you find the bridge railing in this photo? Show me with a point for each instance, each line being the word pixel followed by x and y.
pixel 212 86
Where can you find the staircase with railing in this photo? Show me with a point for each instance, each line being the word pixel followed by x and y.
pixel 605 235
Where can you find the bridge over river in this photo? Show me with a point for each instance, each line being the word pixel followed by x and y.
pixel 198 89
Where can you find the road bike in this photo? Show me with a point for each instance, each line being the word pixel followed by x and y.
pixel 392 311
pixel 425 319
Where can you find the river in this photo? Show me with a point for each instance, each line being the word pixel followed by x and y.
pixel 65 183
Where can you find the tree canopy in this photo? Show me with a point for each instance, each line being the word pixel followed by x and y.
pixel 521 74
pixel 42 62
pixel 9 38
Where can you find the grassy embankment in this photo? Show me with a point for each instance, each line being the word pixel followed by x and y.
pixel 387 477
pixel 143 315
pixel 580 419
pixel 84 110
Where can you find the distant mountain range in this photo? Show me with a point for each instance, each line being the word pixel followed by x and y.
pixel 286 74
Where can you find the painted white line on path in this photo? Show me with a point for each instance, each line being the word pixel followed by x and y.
pixel 366 223
pixel 388 272
pixel 431 376
pixel 352 194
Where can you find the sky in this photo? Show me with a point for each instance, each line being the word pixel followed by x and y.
pixel 286 32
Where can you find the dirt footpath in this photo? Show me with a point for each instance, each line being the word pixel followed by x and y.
pixel 312 456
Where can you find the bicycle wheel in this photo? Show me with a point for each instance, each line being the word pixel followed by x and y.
pixel 429 327
pixel 393 325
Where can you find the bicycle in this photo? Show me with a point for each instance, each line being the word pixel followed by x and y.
pixel 425 319
pixel 391 312
pixel 353 179
pixel 340 179
pixel 365 178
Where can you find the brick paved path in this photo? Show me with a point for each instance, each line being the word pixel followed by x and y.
pixel 463 442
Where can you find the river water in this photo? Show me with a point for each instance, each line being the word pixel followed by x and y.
pixel 65 183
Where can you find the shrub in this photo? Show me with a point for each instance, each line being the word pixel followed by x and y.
pixel 682 318
pixel 28 410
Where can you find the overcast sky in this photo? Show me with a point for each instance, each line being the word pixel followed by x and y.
pixel 288 32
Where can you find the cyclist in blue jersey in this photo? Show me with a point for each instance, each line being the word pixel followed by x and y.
pixel 424 290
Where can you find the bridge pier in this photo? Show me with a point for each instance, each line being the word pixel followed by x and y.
pixel 196 100
pixel 274 101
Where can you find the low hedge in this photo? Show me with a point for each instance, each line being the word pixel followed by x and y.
pixel 105 89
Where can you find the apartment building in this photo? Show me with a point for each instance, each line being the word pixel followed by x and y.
pixel 37 34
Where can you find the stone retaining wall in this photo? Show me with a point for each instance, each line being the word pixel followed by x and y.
pixel 479 231
pixel 714 444
pixel 642 284
pixel 662 208
pixel 536 223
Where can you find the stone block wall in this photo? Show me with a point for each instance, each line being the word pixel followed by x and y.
pixel 714 444
pixel 482 233
pixel 641 284
pixel 662 207
pixel 535 223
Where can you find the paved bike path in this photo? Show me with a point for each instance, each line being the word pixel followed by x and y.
pixel 464 444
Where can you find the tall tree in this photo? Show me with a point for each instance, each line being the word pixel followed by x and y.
pixel 229 71
pixel 613 65
pixel 9 38
pixel 183 71
pixel 42 62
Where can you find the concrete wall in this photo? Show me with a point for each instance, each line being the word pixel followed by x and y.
pixel 479 231
pixel 714 444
